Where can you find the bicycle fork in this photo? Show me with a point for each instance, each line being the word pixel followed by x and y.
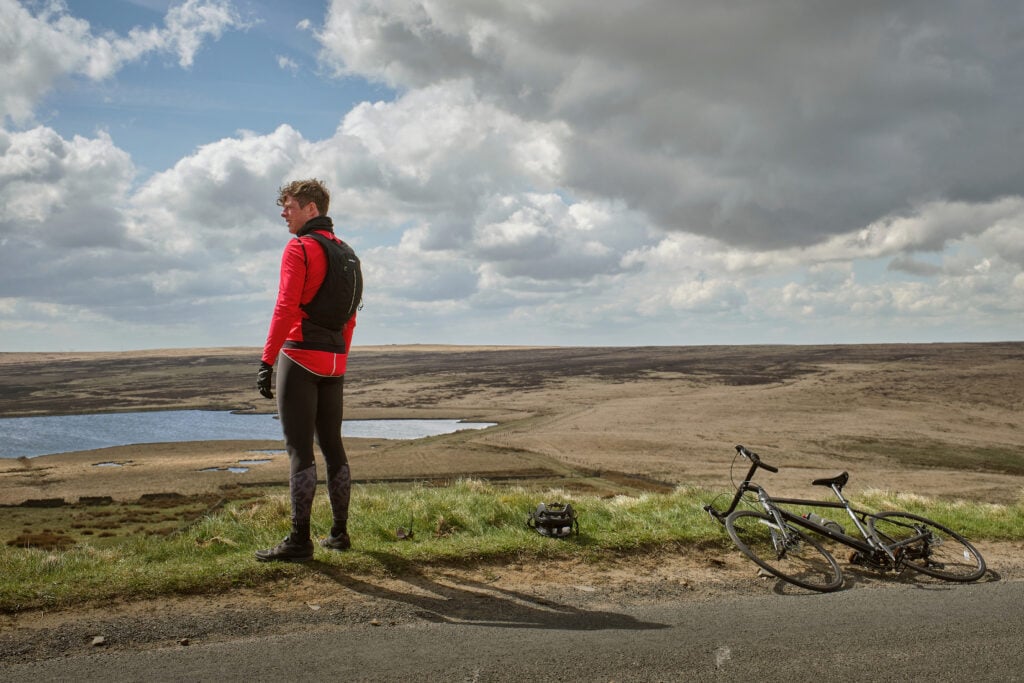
pixel 781 538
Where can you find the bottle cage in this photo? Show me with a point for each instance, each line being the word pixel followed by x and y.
pixel 554 519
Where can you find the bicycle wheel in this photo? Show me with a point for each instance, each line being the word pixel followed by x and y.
pixel 939 552
pixel 785 551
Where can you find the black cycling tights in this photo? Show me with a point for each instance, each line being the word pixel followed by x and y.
pixel 310 408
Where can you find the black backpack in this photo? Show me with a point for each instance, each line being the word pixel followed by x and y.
pixel 343 283
pixel 554 519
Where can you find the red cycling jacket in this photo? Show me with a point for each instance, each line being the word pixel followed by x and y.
pixel 303 267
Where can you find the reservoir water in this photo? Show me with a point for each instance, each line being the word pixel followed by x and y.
pixel 32 436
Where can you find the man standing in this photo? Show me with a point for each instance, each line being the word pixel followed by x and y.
pixel 310 332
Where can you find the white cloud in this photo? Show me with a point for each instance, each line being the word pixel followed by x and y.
pixel 38 50
pixel 563 173
pixel 194 247
pixel 189 24
pixel 287 64
pixel 762 125
pixel 221 195
pixel 72 188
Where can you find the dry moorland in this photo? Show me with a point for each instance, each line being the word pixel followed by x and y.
pixel 935 419
pixel 939 420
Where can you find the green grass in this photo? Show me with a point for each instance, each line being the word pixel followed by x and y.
pixel 468 522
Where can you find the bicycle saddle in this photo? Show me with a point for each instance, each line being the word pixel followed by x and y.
pixel 838 480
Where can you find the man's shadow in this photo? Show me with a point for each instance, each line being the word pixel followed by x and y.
pixel 478 604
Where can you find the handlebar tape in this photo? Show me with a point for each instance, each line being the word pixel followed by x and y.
pixel 755 458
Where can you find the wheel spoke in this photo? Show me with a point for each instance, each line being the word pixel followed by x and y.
pixel 784 551
pixel 928 547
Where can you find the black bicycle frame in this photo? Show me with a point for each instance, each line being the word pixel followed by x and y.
pixel 842 537
pixel 862 545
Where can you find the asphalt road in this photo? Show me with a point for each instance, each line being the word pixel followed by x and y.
pixel 908 633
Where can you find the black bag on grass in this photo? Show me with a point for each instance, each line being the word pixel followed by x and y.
pixel 554 519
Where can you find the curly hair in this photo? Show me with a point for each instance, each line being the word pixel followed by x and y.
pixel 306 191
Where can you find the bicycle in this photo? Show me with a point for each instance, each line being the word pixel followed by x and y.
pixel 777 539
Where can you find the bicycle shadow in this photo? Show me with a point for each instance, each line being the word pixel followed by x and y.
pixel 473 603
pixel 925 582
pixel 854 576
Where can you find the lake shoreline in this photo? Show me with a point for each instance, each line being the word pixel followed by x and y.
pixel 932 419
pixel 55 434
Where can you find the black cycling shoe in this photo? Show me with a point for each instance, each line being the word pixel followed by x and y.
pixel 340 542
pixel 287 551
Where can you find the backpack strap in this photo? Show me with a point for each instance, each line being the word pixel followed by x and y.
pixel 533 518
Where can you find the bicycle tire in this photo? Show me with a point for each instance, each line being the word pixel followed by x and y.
pixel 803 561
pixel 944 553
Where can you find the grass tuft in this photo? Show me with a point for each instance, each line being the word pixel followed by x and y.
pixel 469 521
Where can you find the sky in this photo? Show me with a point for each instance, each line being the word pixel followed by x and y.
pixel 528 172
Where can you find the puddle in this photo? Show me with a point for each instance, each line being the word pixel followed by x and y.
pixel 109 464
pixel 242 466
